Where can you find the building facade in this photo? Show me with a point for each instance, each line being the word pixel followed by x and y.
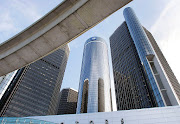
pixel 172 83
pixel 158 115
pixel 141 73
pixel 5 81
pixel 131 86
pixel 67 101
pixel 36 89
pixel 94 93
pixel 6 86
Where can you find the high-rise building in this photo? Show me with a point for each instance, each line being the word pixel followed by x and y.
pixel 6 87
pixel 131 88
pixel 35 88
pixel 142 76
pixel 94 93
pixel 67 101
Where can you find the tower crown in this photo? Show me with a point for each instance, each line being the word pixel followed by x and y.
pixel 95 39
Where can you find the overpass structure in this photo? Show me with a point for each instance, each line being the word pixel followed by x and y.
pixel 64 23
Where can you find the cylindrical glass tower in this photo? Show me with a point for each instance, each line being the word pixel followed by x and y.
pixel 144 50
pixel 94 88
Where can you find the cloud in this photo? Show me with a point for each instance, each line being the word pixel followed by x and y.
pixel 27 8
pixel 166 31
pixel 7 26
pixel 6 23
pixel 12 13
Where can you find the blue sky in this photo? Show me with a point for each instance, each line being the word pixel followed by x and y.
pixel 160 17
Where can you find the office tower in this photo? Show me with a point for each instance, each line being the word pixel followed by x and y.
pixel 36 90
pixel 132 91
pixel 94 88
pixel 5 81
pixel 67 101
pixel 172 80
pixel 142 76
pixel 5 87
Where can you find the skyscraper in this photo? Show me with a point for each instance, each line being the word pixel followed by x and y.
pixel 67 101
pixel 142 76
pixel 94 93
pixel 131 88
pixel 6 87
pixel 36 89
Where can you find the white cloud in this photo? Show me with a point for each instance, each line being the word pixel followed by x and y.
pixel 12 13
pixel 167 33
pixel 7 26
pixel 6 23
pixel 27 8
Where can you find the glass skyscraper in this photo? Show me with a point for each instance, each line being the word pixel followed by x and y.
pixel 67 101
pixel 6 87
pixel 131 88
pixel 5 81
pixel 142 76
pixel 94 93
pixel 35 88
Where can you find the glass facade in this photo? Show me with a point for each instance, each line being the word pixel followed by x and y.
pixel 14 120
pixel 144 50
pixel 5 82
pixel 67 101
pixel 9 82
pixel 94 78
pixel 37 89
pixel 173 81
pixel 131 82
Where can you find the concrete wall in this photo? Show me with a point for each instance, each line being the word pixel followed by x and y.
pixel 166 83
pixel 161 115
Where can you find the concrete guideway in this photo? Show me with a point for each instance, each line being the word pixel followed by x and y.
pixel 64 23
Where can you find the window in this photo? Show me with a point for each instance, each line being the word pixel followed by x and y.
pixel 77 122
pixel 122 121
pixel 91 122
